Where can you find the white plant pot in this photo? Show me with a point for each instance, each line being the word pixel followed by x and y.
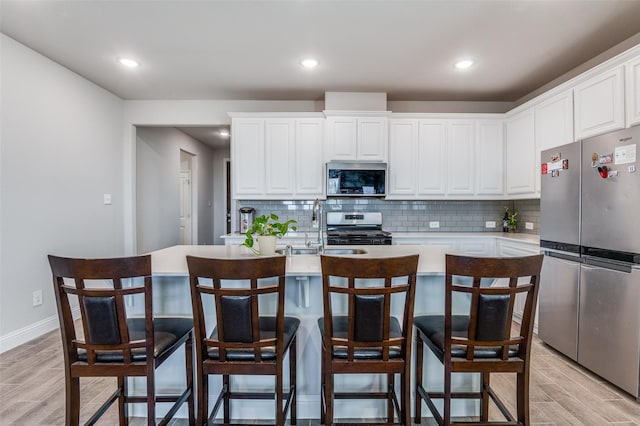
pixel 266 245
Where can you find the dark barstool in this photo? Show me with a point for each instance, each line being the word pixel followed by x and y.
pixel 481 341
pixel 114 344
pixel 367 339
pixel 242 341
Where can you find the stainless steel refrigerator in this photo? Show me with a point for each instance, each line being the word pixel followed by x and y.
pixel 590 231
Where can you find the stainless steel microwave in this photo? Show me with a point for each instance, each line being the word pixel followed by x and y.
pixel 356 179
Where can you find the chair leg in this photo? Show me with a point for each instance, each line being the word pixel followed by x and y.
pixel 447 395
pixel 405 382
pixel 123 407
pixel 418 403
pixel 72 401
pixel 391 384
pixel 328 392
pixel 522 385
pixel 188 352
pixel 226 385
pixel 279 393
pixel 484 406
pixel 292 380
pixel 151 395
pixel 322 388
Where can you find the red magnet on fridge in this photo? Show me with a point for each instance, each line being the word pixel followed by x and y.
pixel 604 172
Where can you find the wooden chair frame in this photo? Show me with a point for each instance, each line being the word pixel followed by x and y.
pixel 353 269
pixel 252 270
pixel 515 270
pixel 116 270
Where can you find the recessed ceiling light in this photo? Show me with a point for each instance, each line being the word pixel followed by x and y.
pixel 224 133
pixel 309 63
pixel 464 64
pixel 128 62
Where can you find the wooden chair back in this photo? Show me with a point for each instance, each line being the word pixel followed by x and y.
pixel 103 311
pixel 369 305
pixel 237 309
pixel 491 308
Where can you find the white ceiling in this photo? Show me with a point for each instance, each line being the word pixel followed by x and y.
pixel 250 49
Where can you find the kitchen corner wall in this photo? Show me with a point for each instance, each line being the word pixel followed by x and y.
pixel 412 216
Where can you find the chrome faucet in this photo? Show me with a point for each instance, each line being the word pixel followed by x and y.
pixel 317 220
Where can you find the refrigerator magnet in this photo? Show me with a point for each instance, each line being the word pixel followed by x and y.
pixel 606 158
pixel 565 164
pixel 594 160
pixel 545 168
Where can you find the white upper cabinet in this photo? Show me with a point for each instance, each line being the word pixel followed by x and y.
pixel 633 92
pixel 432 140
pixel 357 138
pixel 403 161
pixel 277 158
pixel 279 152
pixel 460 157
pixel 553 126
pixel 599 104
pixel 247 157
pixel 520 158
pixel 489 157
pixel 309 164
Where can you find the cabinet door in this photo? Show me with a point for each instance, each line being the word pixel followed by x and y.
pixel 247 157
pixel 372 139
pixel 403 135
pixel 460 157
pixel 599 104
pixel 520 156
pixel 553 126
pixel 633 92
pixel 431 157
pixel 309 167
pixel 489 157
pixel 342 133
pixel 279 156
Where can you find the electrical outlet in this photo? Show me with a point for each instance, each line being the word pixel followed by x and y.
pixel 490 224
pixel 434 224
pixel 106 198
pixel 37 298
pixel 528 225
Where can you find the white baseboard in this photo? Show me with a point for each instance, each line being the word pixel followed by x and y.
pixel 30 332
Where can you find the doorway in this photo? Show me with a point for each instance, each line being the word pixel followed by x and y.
pixel 186 198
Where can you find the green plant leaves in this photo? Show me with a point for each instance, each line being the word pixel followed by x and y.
pixel 267 225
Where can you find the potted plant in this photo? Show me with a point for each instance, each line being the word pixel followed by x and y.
pixel 266 229
pixel 512 220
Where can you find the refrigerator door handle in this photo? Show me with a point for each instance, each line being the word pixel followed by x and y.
pixel 620 267
pixel 563 256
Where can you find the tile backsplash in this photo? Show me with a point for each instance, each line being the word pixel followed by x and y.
pixel 413 216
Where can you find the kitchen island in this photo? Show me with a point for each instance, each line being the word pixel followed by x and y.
pixel 304 300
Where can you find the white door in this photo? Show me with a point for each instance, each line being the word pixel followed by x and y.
pixel 185 207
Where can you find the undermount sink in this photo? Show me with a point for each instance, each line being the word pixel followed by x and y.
pixel 344 251
pixel 313 251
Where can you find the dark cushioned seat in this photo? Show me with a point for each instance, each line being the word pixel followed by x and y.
pixel 267 331
pixel 166 332
pixel 340 324
pixel 432 327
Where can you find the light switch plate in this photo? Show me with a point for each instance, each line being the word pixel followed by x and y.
pixel 528 225
pixel 434 224
pixel 106 199
pixel 490 224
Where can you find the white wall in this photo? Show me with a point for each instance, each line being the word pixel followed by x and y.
pixel 158 191
pixel 61 150
pixel 220 155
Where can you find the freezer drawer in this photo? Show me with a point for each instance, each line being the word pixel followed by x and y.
pixel 558 305
pixel 609 334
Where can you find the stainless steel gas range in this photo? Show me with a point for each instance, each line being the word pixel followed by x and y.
pixel 356 228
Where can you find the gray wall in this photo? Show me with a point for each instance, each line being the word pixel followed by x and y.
pixel 61 150
pixel 412 216
pixel 158 190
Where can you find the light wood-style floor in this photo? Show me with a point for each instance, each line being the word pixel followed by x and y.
pixel 562 393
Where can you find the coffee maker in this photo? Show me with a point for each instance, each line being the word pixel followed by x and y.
pixel 247 215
